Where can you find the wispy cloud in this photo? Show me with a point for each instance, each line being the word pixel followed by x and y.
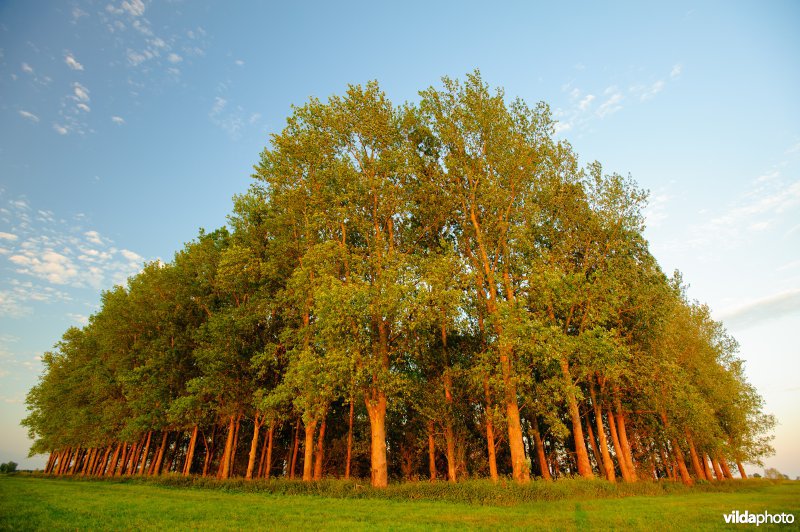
pixel 27 68
pixel 61 253
pixel 118 120
pixel 676 71
pixel 612 103
pixel 29 116
pixel 71 62
pixel 763 310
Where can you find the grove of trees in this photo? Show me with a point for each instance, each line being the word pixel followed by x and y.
pixel 432 290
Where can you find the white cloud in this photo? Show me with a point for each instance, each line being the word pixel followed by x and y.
pixel 135 8
pixel 611 105
pixel 656 211
pixel 131 256
pixel 764 309
pixel 27 68
pixel 586 102
pixel 61 130
pixel 118 120
pixel 676 71
pixel 71 62
pixel 81 92
pixel 30 116
pixel 93 237
pixel 80 319
pixel 83 107
pixel 652 90
pixel 8 236
pixel 174 58
pixel 239 62
pixel 561 127
pixel 219 105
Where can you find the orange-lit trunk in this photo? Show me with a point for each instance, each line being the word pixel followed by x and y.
pixel 431 452
pixel 308 450
pixel 623 467
pixel 607 464
pixel 490 441
pixel 251 460
pixel 726 471
pixel 623 436
pixel 706 469
pixel 187 465
pixel 146 452
pixel 741 469
pixel 295 447
pixel 320 454
pixel 268 464
pixel 698 470
pixel 544 469
pixel 581 455
pixel 717 469
pixel 349 442
pixel 376 408
pixel 225 463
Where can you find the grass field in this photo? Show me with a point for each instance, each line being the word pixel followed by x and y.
pixel 42 503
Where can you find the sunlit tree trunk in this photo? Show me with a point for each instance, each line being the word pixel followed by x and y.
pixel 726 471
pixel 623 436
pixel 698 470
pixel 320 454
pixel 187 466
pixel 608 465
pixel 717 469
pixel 146 452
pixel 376 408
pixel 308 450
pixel 582 457
pixel 623 466
pixel 349 442
pixel 431 451
pixel 295 447
pixel 541 458
pixel 741 469
pixel 707 469
pixel 251 460
pixel 225 463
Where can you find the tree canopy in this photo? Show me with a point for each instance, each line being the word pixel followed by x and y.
pixel 438 286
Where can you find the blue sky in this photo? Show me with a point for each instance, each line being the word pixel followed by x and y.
pixel 127 125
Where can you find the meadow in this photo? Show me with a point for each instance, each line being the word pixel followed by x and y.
pixel 30 502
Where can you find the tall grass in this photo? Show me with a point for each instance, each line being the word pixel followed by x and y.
pixel 503 493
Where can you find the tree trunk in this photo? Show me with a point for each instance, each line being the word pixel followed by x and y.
pixel 251 460
pixel 685 477
pixel 623 437
pixel 225 463
pixel 726 471
pixel 349 442
pixel 235 445
pixel 187 465
pixel 308 451
pixel 451 452
pixel 261 459
pixel 544 469
pixel 717 469
pixel 123 460
pixel 698 470
pixel 112 466
pixel 268 464
pixel 160 456
pixel 295 446
pixel 146 452
pixel 490 441
pixel 320 455
pixel 623 467
pixel 741 469
pixel 709 474
pixel 593 444
pixel 376 408
pixel 101 467
pixel 518 463
pixel 581 456
pixel 608 465
pixel 431 452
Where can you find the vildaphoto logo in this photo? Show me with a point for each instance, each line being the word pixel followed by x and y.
pixel 746 518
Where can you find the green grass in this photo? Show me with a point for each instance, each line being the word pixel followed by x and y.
pixel 43 503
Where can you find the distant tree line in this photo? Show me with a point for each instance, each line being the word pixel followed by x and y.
pixel 417 291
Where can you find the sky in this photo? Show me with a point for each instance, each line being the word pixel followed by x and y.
pixel 127 126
